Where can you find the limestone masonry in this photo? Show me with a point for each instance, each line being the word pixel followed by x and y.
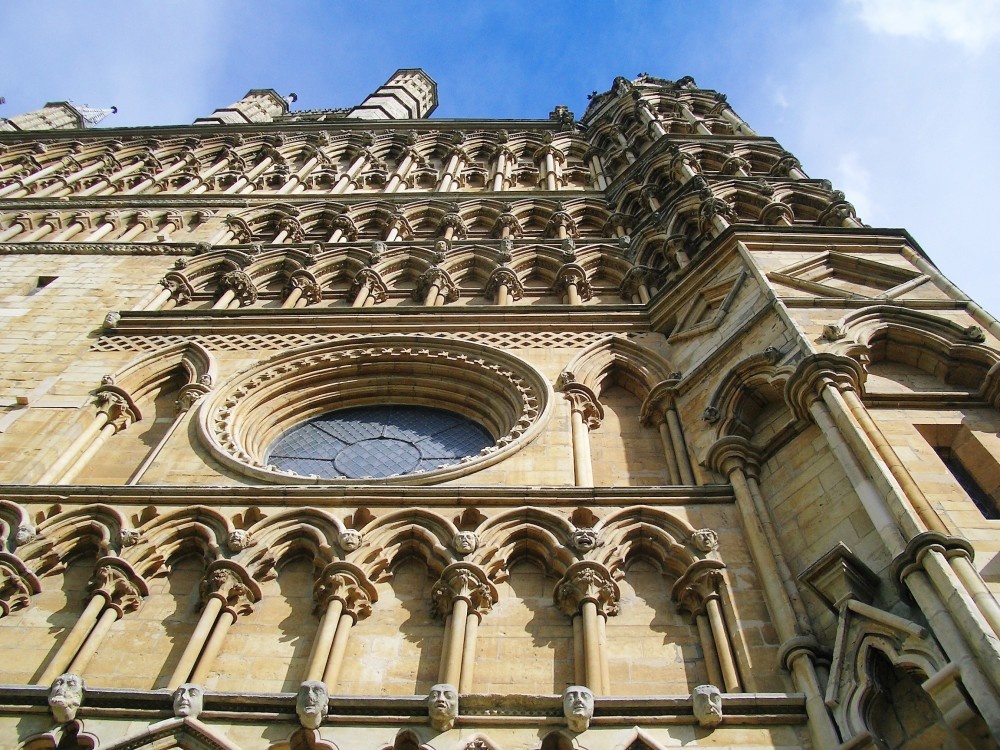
pixel 353 429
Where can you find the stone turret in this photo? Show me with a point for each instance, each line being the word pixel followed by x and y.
pixel 409 94
pixel 258 105
pixel 58 116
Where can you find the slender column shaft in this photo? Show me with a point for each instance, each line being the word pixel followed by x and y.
pixel 92 429
pixel 453 668
pixel 550 172
pixel 159 299
pixel 579 665
pixel 591 647
pixel 583 470
pixel 980 593
pixel 572 295
pixel 96 444
pixel 730 678
pixel 12 231
pixel 503 295
pixel 370 301
pixel 67 651
pixel 498 178
pixel 352 171
pixel 430 299
pixel 668 453
pixel 89 648
pixel 469 653
pixel 227 297
pixel 152 455
pixel 332 672
pixel 680 447
pixel 643 294
pixel 602 643
pixel 132 232
pixel 101 231
pixel 362 296
pixel 196 642
pixel 292 298
pixel 708 647
pixel 445 650
pixel 71 231
pixel 214 645
pixel 324 638
pixel 821 728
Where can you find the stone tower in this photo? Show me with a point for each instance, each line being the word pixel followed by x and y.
pixel 348 428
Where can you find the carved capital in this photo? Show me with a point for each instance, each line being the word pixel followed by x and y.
pixel 465 581
pixel 571 273
pixel 587 581
pixel 241 285
pixel 231 584
pixel 733 453
pixel 436 276
pixel 347 584
pixel 699 585
pixel 179 286
pixel 373 280
pixel 506 277
pixel 583 401
pixel 118 406
pixel 457 224
pixel 817 371
pixel 661 398
pixel 17 584
pixel 304 280
pixel 911 559
pixel 121 587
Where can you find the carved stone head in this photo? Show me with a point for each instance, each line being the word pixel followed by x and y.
pixel 188 700
pixel 65 697
pixel 349 540
pixel 707 705
pixel 584 539
pixel 312 703
pixel 465 542
pixel 239 540
pixel 24 534
pixel 129 537
pixel 442 705
pixel 578 707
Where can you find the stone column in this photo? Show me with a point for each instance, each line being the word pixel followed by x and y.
pixel 409 157
pixel 586 414
pixel 435 288
pixel 503 286
pixel 176 290
pixel 301 290
pixel 114 590
pixel 344 595
pixel 368 289
pixel 593 158
pixel 504 157
pixel 587 594
pixel 312 158
pixel 461 597
pixel 186 398
pixel 697 591
pixel 227 592
pixel 456 157
pixel 571 281
pixel 650 120
pixel 238 290
pixel 660 410
pixel 115 412
pixel 363 155
pixel 110 221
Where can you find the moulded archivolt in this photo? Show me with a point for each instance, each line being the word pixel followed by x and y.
pixel 502 393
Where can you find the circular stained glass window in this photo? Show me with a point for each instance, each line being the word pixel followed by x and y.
pixel 377 442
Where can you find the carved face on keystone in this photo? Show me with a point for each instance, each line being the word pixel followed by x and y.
pixel 584 539
pixel 707 705
pixel 578 707
pixel 188 700
pixel 312 703
pixel 442 705
pixel 465 542
pixel 65 697
pixel 349 540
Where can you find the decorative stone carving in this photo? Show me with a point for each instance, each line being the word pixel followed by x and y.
pixel 587 581
pixel 65 697
pixel 707 700
pixel 119 409
pixel 462 581
pixel 241 285
pixel 833 332
pixel 25 534
pixel 188 700
pixel 442 706
pixel 465 542
pixel 711 414
pixel 312 703
pixel 578 707
pixel 347 584
pixel 974 334
pixel 111 320
pixel 704 540
pixel 349 539
pixel 118 584
pixel 17 584
pixel 584 540
pixel 239 540
pixel 699 584
pixel 129 537
pixel 582 400
pixel 224 582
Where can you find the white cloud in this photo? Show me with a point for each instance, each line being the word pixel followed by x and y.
pixel 969 23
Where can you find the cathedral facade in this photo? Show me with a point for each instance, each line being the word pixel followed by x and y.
pixel 353 428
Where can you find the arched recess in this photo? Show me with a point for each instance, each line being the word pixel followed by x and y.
pixel 180 734
pixel 749 401
pixel 668 650
pixel 623 442
pixel 891 685
pixel 396 649
pixel 157 390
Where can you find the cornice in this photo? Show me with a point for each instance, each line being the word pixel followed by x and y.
pixel 369 495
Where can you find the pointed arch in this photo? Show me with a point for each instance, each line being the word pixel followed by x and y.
pixel 620 361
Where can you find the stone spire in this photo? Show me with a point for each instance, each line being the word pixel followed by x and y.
pixel 258 105
pixel 409 94
pixel 58 116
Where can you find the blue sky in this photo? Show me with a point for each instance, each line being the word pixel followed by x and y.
pixel 895 101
